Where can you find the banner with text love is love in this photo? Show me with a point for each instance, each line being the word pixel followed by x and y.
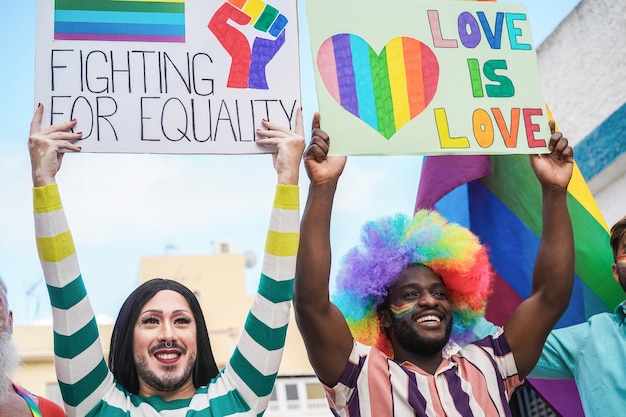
pixel 427 77
pixel 168 76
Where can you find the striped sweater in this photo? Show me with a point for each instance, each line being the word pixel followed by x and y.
pixel 477 380
pixel 242 388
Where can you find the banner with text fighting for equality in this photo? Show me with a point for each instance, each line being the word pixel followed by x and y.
pixel 168 76
pixel 427 77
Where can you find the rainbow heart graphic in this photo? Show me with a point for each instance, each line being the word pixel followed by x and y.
pixel 385 90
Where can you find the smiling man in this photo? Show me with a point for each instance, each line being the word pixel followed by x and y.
pixel 412 292
pixel 157 339
pixel 165 366
pixel 160 359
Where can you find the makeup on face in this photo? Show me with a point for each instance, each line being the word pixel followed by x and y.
pixel 403 310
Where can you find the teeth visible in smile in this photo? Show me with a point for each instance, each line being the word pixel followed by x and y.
pixel 428 318
pixel 167 356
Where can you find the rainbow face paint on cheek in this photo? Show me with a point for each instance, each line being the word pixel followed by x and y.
pixel 402 310
pixel 621 265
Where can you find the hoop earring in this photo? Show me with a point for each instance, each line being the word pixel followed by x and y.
pixel 168 344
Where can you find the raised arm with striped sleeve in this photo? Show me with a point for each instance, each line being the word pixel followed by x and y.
pixel 244 386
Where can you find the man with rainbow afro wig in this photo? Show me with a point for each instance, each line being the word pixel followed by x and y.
pixel 388 246
pixel 394 341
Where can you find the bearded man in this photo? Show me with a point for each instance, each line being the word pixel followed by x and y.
pixel 160 360
pixel 385 346
pixel 15 401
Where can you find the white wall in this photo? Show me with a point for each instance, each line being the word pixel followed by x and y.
pixel 582 66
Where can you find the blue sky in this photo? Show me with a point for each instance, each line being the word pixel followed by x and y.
pixel 122 207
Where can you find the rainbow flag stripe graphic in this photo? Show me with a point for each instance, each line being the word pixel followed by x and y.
pixel 120 20
pixel 384 90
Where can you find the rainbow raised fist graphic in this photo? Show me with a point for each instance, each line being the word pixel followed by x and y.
pixel 247 69
pixel 384 90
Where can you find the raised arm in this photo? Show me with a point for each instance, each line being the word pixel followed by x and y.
pixel 254 365
pixel 79 361
pixel 553 275
pixel 326 335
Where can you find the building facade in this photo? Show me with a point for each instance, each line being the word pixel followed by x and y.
pixel 581 66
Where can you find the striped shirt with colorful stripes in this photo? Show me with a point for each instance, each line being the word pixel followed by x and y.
pixel 477 381
pixel 242 388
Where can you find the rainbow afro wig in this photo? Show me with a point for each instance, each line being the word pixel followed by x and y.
pixel 388 246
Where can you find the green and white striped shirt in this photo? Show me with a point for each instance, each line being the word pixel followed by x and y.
pixel 242 388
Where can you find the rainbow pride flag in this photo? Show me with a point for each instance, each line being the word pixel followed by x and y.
pixel 120 20
pixel 499 199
